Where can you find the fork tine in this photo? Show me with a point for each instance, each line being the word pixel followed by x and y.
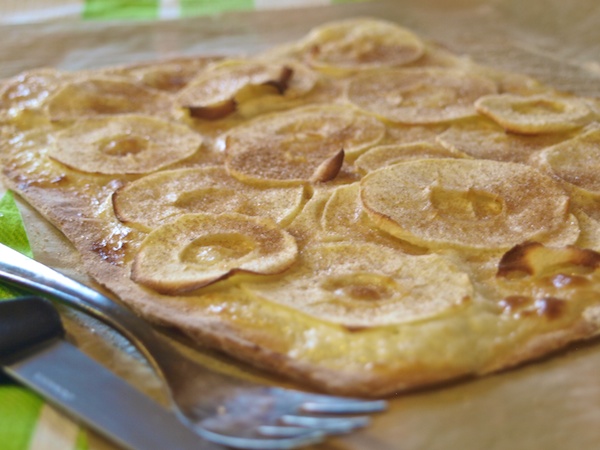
pixel 330 425
pixel 283 431
pixel 324 404
pixel 328 405
pixel 309 437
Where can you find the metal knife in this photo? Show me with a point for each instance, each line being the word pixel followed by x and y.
pixel 34 352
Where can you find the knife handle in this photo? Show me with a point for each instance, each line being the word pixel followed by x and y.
pixel 26 322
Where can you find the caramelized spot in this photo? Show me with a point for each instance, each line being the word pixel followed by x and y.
pixel 283 81
pixel 515 302
pixel 585 257
pixel 213 112
pixel 514 261
pixel 534 259
pixel 550 307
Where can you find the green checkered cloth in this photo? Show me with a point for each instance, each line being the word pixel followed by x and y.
pixel 151 9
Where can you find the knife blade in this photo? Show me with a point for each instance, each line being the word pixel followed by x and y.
pixel 33 351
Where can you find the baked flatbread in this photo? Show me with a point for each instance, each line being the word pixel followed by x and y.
pixel 360 211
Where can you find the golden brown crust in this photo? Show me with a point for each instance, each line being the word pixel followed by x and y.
pixel 543 345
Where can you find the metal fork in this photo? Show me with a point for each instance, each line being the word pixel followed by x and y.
pixel 222 409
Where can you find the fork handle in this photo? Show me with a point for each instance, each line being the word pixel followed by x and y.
pixel 20 270
pixel 26 322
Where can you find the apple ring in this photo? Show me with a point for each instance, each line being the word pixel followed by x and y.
pixel 471 204
pixel 124 144
pixel 290 147
pixel 158 198
pixel 420 95
pixel 534 114
pixel 196 250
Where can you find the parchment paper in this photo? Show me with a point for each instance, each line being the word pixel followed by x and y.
pixel 549 404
